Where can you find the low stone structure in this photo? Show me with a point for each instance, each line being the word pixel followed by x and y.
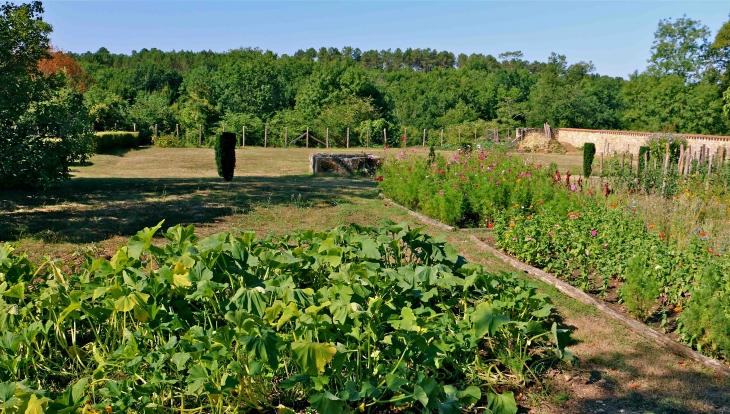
pixel 343 164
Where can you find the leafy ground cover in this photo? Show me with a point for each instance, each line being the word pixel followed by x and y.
pixel 548 220
pixel 356 317
pixel 114 196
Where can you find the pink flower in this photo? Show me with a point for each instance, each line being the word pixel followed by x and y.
pixel 593 233
pixel 404 138
pixel 441 192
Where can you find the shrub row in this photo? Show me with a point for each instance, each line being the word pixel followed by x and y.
pixel 114 140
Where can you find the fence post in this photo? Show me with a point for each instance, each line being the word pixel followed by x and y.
pixel 424 138
pixel 200 135
pixel 134 127
pixel 115 126
pixel 385 138
pixel 243 136
pixel 307 137
pixel 348 137
pixel 155 131
pixel 266 131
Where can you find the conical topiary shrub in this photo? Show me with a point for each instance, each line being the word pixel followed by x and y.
pixel 225 154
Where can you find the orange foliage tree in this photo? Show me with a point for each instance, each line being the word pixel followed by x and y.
pixel 64 63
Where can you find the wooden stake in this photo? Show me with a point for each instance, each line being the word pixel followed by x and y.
pixel 424 138
pixel 134 127
pixel 680 164
pixel 177 131
pixel 243 136
pixel 327 138
pixel 266 130
pixel 308 137
pixel 442 137
pixel 348 137
pixel 385 138
pixel 155 131
pixel 601 163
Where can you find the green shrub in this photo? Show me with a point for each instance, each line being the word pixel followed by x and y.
pixel 640 289
pixel 643 150
pixel 589 151
pixel 225 154
pixel 113 140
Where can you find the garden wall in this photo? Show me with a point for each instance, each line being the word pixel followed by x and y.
pixel 620 141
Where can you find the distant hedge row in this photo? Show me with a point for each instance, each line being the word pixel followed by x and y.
pixel 111 140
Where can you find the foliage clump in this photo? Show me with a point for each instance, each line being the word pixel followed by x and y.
pixel 225 154
pixel 382 317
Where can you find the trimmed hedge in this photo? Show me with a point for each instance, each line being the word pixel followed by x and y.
pixel 589 151
pixel 225 154
pixel 112 140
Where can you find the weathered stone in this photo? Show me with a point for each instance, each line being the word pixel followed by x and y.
pixel 620 141
pixel 343 164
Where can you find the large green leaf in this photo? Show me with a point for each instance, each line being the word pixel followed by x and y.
pixel 502 403
pixel 326 403
pixel 312 357
pixel 485 322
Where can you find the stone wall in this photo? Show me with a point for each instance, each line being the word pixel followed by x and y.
pixel 343 164
pixel 629 141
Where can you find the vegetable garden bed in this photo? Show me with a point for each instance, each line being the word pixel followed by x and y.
pixel 353 318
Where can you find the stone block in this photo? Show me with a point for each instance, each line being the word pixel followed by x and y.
pixel 343 164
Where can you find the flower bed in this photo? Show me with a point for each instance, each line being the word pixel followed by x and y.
pixel 547 220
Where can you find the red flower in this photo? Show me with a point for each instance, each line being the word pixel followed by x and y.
pixel 490 225
pixel 379 178
pixel 661 235
pixel 404 138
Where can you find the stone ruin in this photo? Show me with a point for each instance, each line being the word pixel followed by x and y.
pixel 343 164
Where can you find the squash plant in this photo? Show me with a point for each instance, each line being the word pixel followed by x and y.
pixel 352 319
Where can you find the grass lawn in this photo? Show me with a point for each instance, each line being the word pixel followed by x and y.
pixel 272 193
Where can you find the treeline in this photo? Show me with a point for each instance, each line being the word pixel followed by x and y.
pixel 681 90
pixel 51 100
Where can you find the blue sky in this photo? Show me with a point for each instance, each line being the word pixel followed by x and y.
pixel 615 36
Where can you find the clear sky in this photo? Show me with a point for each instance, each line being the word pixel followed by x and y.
pixel 615 36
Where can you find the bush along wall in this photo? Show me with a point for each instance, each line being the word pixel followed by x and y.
pixel 225 154
pixel 589 151
pixel 113 140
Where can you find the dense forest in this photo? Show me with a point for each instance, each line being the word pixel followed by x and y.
pixel 681 90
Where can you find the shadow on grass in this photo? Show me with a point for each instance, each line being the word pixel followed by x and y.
pixel 603 386
pixel 85 210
